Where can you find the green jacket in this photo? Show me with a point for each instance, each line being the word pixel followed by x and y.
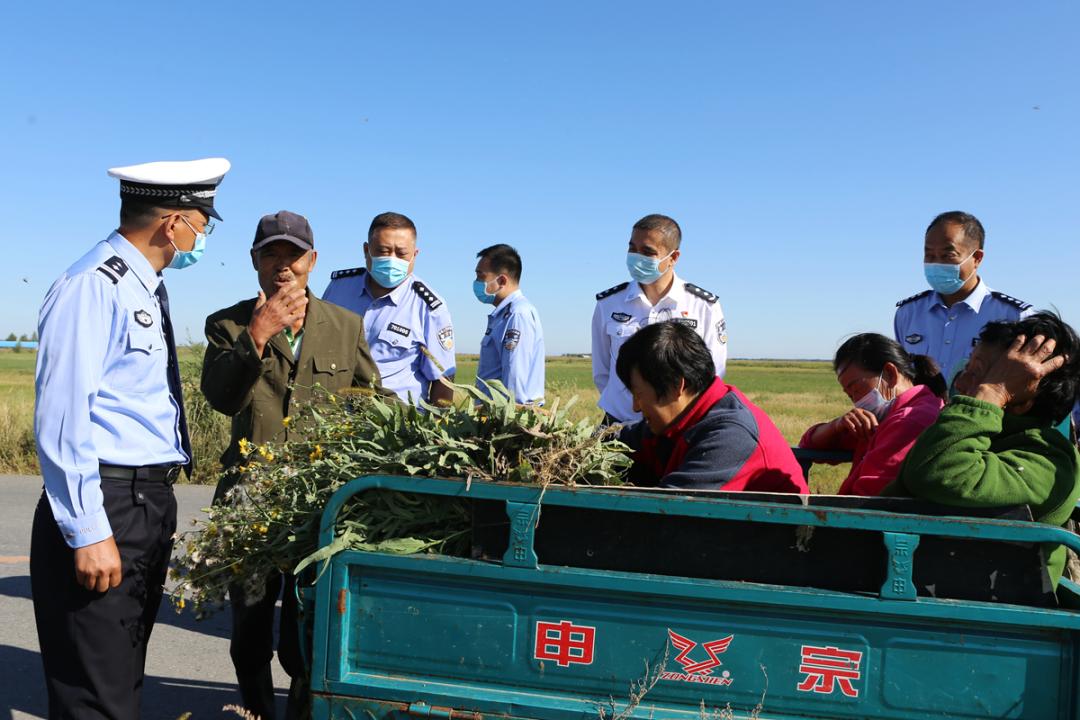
pixel 976 455
pixel 260 391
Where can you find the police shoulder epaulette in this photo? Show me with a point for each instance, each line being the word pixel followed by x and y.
pixel 1019 304
pixel 913 298
pixel 351 272
pixel 114 268
pixel 426 295
pixel 701 293
pixel 612 290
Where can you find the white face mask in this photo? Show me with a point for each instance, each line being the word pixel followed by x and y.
pixel 875 402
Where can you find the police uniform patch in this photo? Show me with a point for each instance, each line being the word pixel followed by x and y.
pixel 399 329
pixel 510 339
pixel 351 272
pixel 114 268
pixel 620 317
pixel 721 331
pixel 913 298
pixel 144 318
pixel 446 336
pixel 612 290
pixel 913 339
pixel 701 293
pixel 688 322
pixel 432 302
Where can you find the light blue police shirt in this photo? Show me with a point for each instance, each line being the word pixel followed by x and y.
pixel 924 326
pixel 397 326
pixel 512 350
pixel 101 383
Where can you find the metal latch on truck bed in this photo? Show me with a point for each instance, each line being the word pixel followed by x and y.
pixel 421 709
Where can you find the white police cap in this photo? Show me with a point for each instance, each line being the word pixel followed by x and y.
pixel 191 183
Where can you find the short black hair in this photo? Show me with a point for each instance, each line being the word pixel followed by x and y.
pixel 504 259
pixel 1057 392
pixel 391 220
pixel 665 353
pixel 973 229
pixel 136 213
pixel 871 351
pixel 666 226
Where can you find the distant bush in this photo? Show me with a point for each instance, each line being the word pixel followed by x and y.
pixel 209 429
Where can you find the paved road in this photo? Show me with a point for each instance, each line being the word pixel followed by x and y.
pixel 187 667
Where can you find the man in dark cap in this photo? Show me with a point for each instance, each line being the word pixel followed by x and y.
pixel 112 438
pixel 264 355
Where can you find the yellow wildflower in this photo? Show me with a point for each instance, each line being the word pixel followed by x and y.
pixel 245 447
pixel 316 453
pixel 181 604
pixel 286 420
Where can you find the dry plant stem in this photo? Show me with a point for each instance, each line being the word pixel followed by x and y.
pixel 269 521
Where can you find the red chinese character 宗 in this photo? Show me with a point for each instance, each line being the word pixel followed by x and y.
pixel 828 667
pixel 565 643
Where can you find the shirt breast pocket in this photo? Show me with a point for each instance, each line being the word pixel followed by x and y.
pixel 619 333
pixel 330 372
pixel 145 341
pixel 397 340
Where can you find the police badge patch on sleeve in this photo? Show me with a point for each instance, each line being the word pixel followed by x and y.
pixel 510 339
pixel 144 318
pixel 446 337
pixel 721 331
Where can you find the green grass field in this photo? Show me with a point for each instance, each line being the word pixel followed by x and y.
pixel 794 394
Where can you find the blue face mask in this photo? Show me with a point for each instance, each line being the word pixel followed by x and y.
pixel 645 269
pixel 479 288
pixel 186 258
pixel 389 271
pixel 945 277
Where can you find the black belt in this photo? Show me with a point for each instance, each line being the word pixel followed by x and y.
pixel 147 473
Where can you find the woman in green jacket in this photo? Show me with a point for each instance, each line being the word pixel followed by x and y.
pixel 996 443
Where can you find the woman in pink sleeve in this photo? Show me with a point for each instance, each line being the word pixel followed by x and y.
pixel 896 396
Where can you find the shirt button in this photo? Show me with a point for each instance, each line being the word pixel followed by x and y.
pixel 948 342
pixel 952 317
pixel 333 366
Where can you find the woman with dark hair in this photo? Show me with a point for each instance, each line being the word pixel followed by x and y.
pixel 698 432
pixel 896 397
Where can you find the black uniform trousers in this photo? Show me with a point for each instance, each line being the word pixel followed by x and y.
pixel 93 644
pixel 252 648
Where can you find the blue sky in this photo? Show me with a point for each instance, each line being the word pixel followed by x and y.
pixel 802 146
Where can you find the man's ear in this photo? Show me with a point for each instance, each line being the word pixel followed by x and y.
pixel 255 259
pixel 168 228
pixel 977 256
pixel 314 256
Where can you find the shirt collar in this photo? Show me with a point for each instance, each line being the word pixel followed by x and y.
pixel 676 292
pixel 397 294
pixel 973 301
pixel 504 306
pixel 135 261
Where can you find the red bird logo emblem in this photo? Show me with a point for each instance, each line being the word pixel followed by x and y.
pixel 698 667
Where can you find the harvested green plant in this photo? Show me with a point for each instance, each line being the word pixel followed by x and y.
pixel 269 521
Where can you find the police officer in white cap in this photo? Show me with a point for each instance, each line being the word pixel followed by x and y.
pixel 112 438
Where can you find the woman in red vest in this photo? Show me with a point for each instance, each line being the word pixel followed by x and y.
pixel 698 432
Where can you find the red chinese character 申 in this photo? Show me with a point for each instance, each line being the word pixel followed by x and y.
pixel 827 668
pixel 565 643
